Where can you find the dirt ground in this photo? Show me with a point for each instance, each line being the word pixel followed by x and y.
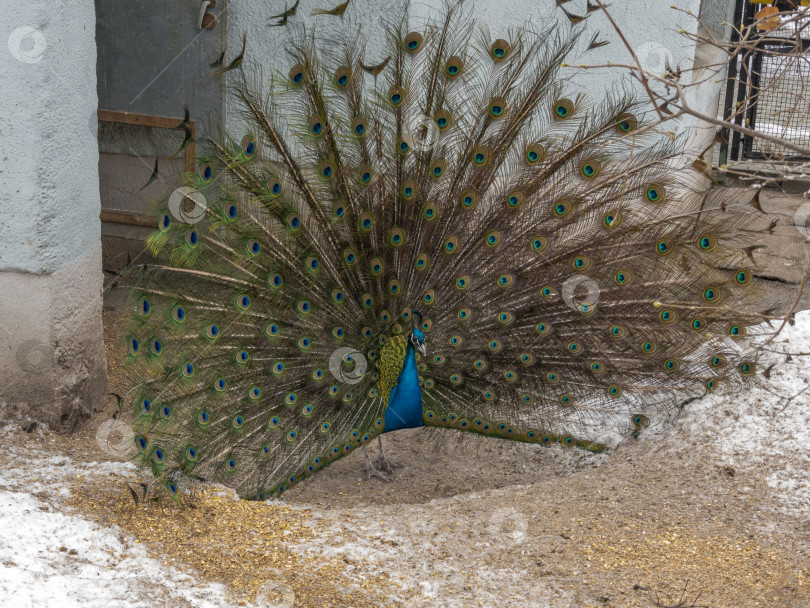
pixel 675 519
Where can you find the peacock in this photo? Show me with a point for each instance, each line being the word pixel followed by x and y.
pixel 447 239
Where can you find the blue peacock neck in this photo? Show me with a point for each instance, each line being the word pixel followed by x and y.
pixel 404 409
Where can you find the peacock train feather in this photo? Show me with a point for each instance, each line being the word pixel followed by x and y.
pixel 455 241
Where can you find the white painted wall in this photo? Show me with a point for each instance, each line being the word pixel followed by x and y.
pixel 48 191
pixel 652 28
pixel 51 347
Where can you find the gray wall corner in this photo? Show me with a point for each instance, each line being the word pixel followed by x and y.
pixel 51 336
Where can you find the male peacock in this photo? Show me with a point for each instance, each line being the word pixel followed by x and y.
pixel 452 242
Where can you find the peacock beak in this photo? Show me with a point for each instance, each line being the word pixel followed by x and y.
pixel 422 349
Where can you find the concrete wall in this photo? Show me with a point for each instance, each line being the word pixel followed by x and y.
pixel 710 69
pixel 51 345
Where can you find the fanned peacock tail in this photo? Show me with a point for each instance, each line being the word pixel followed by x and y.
pixel 571 284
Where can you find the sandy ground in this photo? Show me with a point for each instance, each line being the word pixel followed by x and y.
pixel 713 511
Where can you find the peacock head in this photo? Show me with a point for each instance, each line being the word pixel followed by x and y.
pixel 418 340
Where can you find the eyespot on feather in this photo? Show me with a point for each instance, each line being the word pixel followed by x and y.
pixel 736 331
pixel 469 198
pixel 409 189
pixel 499 50
pixel 562 207
pixel 359 126
pixel 497 107
pixel 581 262
pixel 668 316
pixel 612 219
pixel 747 368
pixel 743 277
pixel 514 199
pixel 396 237
pixel 342 77
pixel 248 145
pixel 626 123
pixel 297 75
pixel 229 212
pixel 273 187
pixel 443 119
pixel 538 243
pixel 453 67
pixel 365 222
pixel 655 193
pixel 326 170
pixel 707 242
pixel 563 109
pixel 535 154
pixel 430 211
pixel 493 238
pixel 404 145
pixel 165 221
pixel 451 245
pixel 206 172
pixel 590 168
pixel 664 246
pixel 439 168
pixel 412 42
pixel 480 156
pixel 623 277
pixel 316 125
pixel 396 95
pixel 366 174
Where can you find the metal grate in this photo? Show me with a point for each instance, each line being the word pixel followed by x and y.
pixel 780 84
pixel 772 88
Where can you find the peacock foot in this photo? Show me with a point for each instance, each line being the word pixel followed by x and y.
pixel 383 464
pixel 372 471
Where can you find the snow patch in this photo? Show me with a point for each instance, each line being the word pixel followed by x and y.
pixel 766 425
pixel 51 559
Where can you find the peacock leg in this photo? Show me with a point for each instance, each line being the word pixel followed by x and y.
pixel 371 470
pixel 382 462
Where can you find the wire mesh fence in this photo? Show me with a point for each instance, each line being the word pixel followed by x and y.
pixel 780 105
pixel 770 84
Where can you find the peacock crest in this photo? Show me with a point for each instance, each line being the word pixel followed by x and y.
pixel 457 230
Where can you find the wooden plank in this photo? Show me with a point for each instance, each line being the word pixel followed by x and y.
pixel 145 120
pixel 130 218
pixel 161 122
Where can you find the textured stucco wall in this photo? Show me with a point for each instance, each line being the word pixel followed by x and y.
pixel 652 28
pixel 51 347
